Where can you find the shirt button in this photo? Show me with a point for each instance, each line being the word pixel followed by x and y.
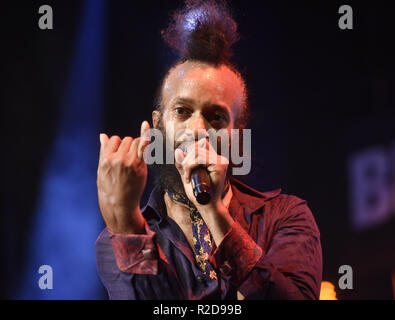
pixel 225 269
pixel 148 254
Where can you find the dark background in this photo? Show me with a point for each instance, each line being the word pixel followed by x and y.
pixel 318 94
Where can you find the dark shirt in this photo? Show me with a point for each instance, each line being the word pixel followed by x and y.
pixel 272 251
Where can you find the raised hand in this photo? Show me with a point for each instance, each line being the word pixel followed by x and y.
pixel 121 180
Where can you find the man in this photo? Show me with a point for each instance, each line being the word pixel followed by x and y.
pixel 243 243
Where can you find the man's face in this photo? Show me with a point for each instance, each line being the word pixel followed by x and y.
pixel 197 96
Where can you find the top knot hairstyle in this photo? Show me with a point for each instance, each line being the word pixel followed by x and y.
pixel 203 31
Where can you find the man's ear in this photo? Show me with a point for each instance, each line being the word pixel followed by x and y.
pixel 156 118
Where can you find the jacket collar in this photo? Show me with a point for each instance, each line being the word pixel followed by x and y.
pixel 249 198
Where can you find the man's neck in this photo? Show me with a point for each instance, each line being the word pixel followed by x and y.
pixel 179 212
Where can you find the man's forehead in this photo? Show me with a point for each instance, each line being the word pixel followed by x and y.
pixel 197 78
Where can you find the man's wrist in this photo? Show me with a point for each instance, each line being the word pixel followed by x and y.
pixel 133 224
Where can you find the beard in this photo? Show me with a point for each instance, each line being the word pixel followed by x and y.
pixel 167 176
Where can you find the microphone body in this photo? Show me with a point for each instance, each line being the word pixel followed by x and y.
pixel 201 185
pixel 200 180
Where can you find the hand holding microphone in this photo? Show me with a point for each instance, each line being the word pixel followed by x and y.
pixel 202 170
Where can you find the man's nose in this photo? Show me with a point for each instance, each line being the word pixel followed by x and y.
pixel 199 126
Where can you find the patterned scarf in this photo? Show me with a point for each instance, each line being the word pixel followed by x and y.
pixel 202 240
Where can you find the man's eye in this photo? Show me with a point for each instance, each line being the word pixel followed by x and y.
pixel 180 110
pixel 219 117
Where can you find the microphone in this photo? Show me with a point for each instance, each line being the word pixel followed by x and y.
pixel 200 180
pixel 201 185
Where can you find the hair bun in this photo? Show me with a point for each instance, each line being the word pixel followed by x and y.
pixel 202 30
